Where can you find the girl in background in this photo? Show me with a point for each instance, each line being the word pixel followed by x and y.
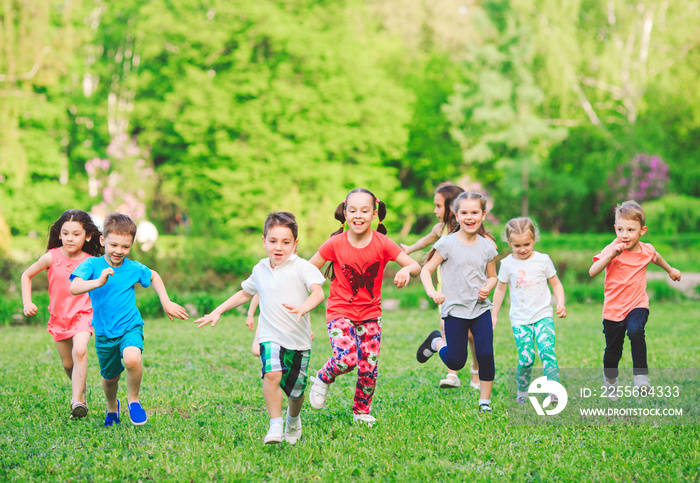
pixel 353 311
pixel 445 195
pixel 72 238
pixel 468 265
pixel 527 272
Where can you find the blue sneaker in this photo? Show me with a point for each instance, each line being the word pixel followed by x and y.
pixel 137 414
pixel 113 418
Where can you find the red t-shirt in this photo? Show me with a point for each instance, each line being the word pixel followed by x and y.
pixel 356 290
pixel 626 281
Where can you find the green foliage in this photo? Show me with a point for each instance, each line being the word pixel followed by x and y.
pixel 674 214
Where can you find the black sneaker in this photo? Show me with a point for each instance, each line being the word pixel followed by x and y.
pixel 485 408
pixel 425 346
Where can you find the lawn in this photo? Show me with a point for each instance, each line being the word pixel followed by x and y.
pixel 207 418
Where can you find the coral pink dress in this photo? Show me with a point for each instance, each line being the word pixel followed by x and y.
pixel 70 314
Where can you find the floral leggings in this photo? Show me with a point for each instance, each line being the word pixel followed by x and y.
pixel 354 343
pixel 541 331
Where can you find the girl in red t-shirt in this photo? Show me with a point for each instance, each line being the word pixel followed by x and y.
pixel 72 238
pixel 353 312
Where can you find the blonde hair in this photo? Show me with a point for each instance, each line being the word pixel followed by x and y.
pixel 519 226
pixel 630 210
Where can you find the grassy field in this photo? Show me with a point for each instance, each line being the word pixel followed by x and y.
pixel 207 419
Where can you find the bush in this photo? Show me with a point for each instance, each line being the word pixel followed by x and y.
pixel 674 214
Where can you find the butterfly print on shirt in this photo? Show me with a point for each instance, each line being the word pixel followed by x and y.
pixel 359 278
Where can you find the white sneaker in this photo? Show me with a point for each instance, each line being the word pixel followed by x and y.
pixel 318 393
pixel 642 381
pixel 451 380
pixel 274 434
pixel 611 389
pixel 364 418
pixel 292 431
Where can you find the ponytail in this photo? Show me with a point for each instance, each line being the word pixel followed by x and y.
pixel 381 207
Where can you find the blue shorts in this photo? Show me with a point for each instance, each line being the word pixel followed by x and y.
pixel 110 351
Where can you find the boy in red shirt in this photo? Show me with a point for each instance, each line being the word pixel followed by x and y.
pixel 626 306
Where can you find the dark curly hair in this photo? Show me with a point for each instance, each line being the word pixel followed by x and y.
pixel 92 246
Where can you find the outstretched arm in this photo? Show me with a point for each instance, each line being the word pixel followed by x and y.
pixel 426 241
pixel 170 308
pixel 498 296
pixel 239 298
pixel 409 268
pixel 426 277
pixel 558 290
pixel 674 273
pixel 43 263
pixel 78 285
pixel 315 298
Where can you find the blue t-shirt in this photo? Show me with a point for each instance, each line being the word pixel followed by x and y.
pixel 114 309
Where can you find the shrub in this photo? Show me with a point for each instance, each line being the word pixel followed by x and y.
pixel 674 214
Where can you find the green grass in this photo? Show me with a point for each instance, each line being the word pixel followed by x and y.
pixel 207 418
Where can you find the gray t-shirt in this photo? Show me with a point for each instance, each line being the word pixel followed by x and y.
pixel 463 275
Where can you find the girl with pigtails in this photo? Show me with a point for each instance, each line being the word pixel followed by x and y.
pixel 353 313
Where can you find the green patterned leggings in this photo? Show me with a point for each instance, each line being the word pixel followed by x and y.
pixel 541 332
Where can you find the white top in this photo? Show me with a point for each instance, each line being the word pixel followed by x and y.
pixel 289 283
pixel 530 298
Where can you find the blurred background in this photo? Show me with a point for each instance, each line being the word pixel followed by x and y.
pixel 201 117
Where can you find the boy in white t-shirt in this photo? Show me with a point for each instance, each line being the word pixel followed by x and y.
pixel 283 281
pixel 527 272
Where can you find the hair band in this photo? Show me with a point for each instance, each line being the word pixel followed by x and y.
pixel 380 222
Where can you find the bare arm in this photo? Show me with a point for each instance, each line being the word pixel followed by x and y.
pixel 78 285
pixel 315 298
pixel 674 273
pixel 426 277
pixel 170 308
pixel 426 241
pixel 558 290
pixel 239 298
pixel 43 263
pixel 250 317
pixel 491 281
pixel 317 260
pixel 599 265
pixel 498 296
pixel 409 268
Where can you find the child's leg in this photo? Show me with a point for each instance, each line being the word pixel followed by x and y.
pixel 636 321
pixel 294 408
pixel 272 392
pixel 368 338
pixel 65 351
pixel 614 342
pixel 341 333
pixel 475 362
pixel 255 348
pixel 110 387
pixel 525 342
pixel 483 344
pixel 545 336
pixel 79 355
pixel 454 351
pixel 134 371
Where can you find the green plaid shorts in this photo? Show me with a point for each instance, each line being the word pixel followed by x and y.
pixel 293 364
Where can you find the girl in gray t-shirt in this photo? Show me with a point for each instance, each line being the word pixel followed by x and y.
pixel 468 266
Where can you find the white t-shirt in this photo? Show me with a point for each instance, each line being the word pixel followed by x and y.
pixel 289 283
pixel 530 298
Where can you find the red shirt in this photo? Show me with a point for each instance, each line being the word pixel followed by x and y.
pixel 356 290
pixel 626 281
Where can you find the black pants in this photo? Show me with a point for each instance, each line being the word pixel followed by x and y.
pixel 614 332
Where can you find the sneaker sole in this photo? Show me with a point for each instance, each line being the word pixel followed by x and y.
pixel 78 411
pixel 273 441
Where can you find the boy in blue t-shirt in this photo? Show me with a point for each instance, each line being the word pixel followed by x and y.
pixel 118 325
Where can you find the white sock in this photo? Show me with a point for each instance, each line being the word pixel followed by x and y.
pixel 275 420
pixel 291 419
pixel 433 344
pixel 484 401
pixel 523 393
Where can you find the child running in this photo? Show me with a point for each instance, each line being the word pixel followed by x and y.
pixel 527 272
pixel 626 305
pixel 72 238
pixel 445 195
pixel 283 282
pixel 468 265
pixel 353 311
pixel 111 281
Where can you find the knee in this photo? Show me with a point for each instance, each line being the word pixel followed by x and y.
pixel 455 363
pixel 274 377
pixel 79 352
pixel 132 360
pixel 635 332
pixel 68 364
